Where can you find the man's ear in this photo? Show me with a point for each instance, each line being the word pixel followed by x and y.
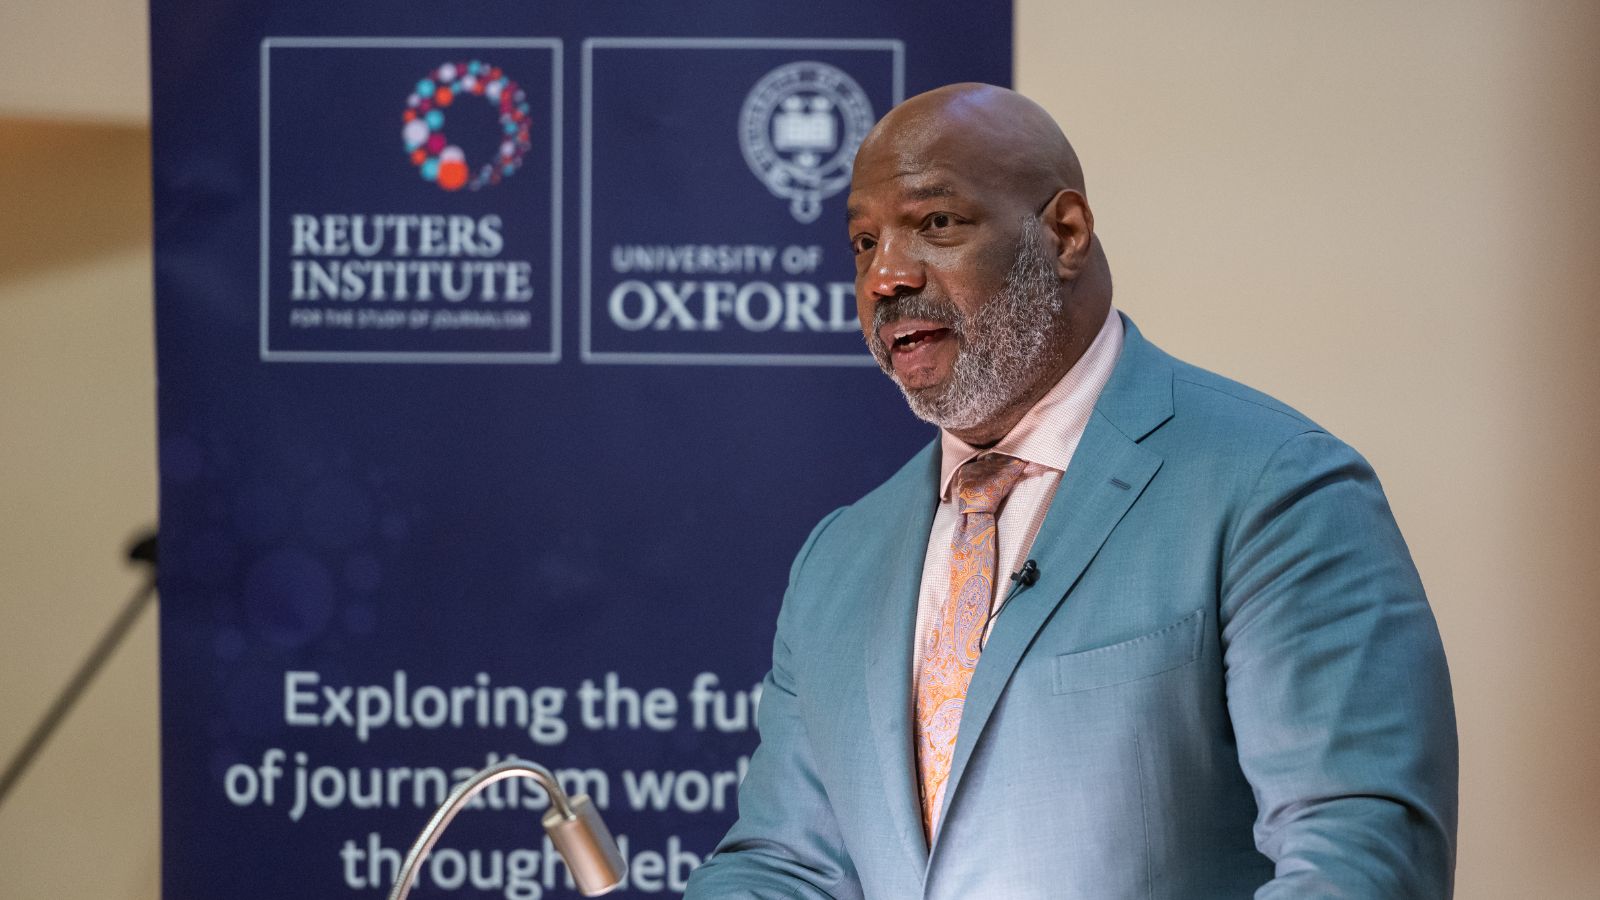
pixel 1069 220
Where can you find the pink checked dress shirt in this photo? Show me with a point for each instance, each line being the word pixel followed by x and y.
pixel 1046 437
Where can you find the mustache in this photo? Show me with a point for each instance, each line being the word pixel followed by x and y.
pixel 917 306
pixel 921 305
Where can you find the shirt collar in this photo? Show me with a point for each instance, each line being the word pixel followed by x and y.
pixel 1049 432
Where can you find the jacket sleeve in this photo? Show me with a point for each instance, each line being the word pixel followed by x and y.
pixel 1336 685
pixel 785 843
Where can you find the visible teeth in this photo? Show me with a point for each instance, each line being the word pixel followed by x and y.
pixel 914 336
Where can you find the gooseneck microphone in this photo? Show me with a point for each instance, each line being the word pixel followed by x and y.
pixel 573 825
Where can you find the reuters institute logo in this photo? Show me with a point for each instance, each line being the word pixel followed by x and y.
pixel 799 130
pixel 443 163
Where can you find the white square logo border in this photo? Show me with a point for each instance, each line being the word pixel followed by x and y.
pixel 586 192
pixel 557 91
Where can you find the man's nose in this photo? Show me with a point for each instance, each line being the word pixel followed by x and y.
pixel 894 272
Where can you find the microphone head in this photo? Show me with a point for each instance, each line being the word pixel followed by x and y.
pixel 586 844
pixel 1030 573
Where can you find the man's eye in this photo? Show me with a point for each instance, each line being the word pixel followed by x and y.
pixel 940 220
pixel 862 244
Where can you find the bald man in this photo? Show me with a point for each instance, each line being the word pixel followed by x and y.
pixel 1211 672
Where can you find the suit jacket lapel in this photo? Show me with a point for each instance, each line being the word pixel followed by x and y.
pixel 891 586
pixel 1108 472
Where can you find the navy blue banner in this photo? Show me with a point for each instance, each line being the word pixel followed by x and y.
pixel 506 355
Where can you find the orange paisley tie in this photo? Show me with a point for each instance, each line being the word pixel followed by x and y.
pixel 952 651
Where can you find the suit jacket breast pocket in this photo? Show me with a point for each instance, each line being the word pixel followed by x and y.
pixel 1159 651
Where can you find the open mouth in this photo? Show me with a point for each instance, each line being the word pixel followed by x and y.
pixel 905 337
pixel 910 340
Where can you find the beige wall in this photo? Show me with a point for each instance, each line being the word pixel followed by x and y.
pixel 1386 215
pixel 1383 213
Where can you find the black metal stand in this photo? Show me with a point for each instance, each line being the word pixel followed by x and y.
pixel 142 551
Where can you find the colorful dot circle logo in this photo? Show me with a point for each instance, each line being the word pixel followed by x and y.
pixel 436 158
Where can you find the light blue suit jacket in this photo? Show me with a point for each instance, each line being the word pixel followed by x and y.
pixel 1225 683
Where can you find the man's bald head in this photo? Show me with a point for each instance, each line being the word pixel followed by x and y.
pixel 990 126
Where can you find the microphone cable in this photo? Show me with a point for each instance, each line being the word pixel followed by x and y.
pixel 1022 579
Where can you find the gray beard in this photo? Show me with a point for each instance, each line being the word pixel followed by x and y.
pixel 1001 349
